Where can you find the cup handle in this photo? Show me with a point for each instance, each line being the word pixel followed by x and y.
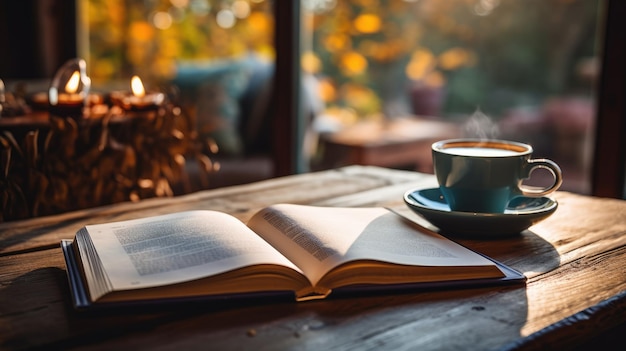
pixel 545 164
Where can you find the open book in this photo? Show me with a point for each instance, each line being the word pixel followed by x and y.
pixel 305 251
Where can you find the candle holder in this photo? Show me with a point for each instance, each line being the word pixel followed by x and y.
pixel 137 99
pixel 69 89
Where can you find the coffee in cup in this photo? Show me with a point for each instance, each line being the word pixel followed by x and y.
pixel 483 176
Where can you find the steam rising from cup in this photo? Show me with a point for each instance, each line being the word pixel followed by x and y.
pixel 480 126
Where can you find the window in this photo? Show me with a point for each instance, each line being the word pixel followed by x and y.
pixel 121 38
pixel 521 70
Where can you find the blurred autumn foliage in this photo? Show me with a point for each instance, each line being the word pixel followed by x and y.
pixel 492 54
pixel 147 38
pixel 368 54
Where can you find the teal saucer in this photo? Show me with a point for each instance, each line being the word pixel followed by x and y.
pixel 520 214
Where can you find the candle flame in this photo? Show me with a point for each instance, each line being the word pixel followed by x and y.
pixel 72 84
pixel 137 86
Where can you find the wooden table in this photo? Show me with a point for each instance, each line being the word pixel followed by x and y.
pixel 403 143
pixel 574 261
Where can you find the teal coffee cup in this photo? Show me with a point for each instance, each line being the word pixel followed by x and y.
pixel 483 176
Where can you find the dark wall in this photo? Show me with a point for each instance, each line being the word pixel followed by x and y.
pixel 36 37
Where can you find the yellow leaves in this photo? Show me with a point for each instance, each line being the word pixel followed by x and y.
pixel 424 65
pixel 310 62
pixel 367 23
pixel 103 68
pixel 456 58
pixel 128 34
pixel 141 34
pixel 336 42
pixel 386 51
pixel 109 11
pixel 171 47
pixel 141 31
pixel 326 90
pixel 353 63
pixel 259 22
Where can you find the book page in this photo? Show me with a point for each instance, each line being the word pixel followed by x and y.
pixel 318 239
pixel 177 247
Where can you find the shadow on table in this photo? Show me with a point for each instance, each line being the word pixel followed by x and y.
pixel 528 252
pixel 490 316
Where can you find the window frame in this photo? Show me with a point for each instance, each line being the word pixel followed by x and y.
pixel 609 156
pixel 609 162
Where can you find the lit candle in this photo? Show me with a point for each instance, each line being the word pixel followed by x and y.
pixel 40 100
pixel 70 101
pixel 138 99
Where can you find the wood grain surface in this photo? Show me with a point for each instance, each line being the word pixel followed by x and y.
pixel 574 261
